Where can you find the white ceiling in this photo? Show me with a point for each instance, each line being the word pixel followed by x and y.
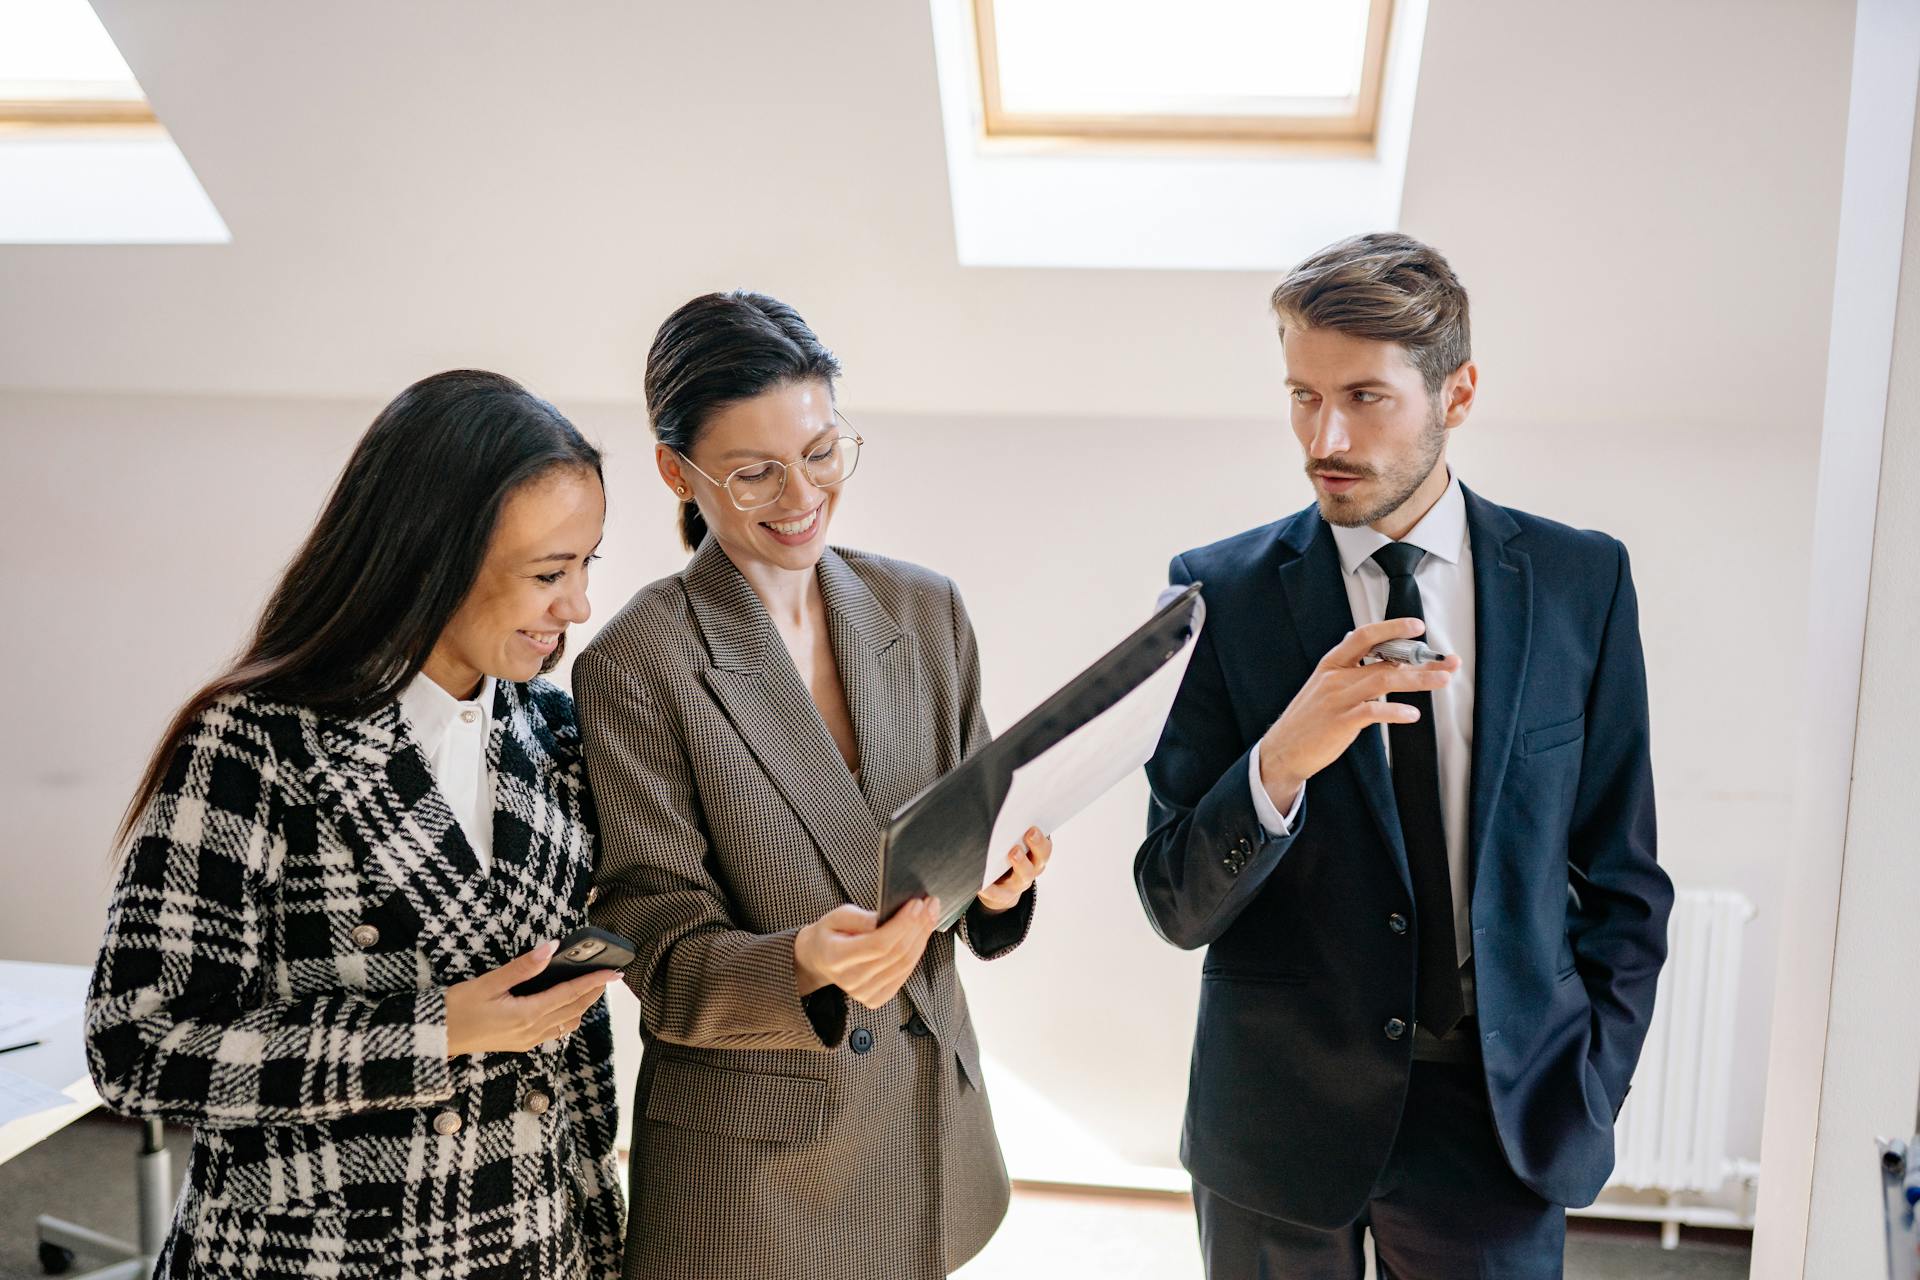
pixel 1641 196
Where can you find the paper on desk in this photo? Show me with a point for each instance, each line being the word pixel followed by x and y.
pixel 1085 765
pixel 26 1017
pixel 20 1096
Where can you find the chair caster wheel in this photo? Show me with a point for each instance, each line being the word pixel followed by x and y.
pixel 54 1259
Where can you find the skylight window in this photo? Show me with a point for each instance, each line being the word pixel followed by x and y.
pixel 1210 135
pixel 1228 70
pixel 82 158
pixel 58 66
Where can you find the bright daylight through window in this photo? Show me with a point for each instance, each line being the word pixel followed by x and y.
pixel 82 158
pixel 58 66
pixel 1260 70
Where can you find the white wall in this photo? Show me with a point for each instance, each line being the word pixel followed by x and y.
pixel 141 534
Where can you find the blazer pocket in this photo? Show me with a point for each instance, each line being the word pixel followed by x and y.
pixel 752 1105
pixel 1538 741
pixel 1262 977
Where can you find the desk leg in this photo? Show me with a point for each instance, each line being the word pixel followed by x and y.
pixel 156 1190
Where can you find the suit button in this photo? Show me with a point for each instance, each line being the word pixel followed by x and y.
pixel 537 1103
pixel 861 1040
pixel 1395 1028
pixel 917 1026
pixel 365 935
pixel 1397 922
pixel 446 1123
pixel 593 895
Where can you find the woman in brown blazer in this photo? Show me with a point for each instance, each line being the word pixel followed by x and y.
pixel 810 1101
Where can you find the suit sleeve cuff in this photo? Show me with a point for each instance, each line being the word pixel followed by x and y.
pixel 1272 821
pixel 990 936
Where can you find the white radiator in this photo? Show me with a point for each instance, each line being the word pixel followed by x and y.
pixel 1672 1134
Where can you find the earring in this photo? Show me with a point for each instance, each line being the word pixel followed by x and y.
pixel 681 490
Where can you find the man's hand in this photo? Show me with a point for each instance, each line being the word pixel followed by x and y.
pixel 1340 699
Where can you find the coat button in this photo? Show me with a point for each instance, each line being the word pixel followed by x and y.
pixel 861 1040
pixel 917 1026
pixel 1397 922
pixel 537 1103
pixel 1395 1028
pixel 365 935
pixel 446 1123
pixel 593 895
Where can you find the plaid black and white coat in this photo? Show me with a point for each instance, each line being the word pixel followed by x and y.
pixel 296 900
pixel 776 1138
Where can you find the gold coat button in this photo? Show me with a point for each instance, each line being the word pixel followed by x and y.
pixel 365 935
pixel 537 1103
pixel 446 1123
pixel 593 894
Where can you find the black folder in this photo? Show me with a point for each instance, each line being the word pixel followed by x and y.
pixel 937 843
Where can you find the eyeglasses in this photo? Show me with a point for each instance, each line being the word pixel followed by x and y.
pixel 760 484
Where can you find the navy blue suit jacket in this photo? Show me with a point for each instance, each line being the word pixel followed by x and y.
pixel 1296 1087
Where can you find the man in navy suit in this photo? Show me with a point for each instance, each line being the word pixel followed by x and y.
pixel 1428 892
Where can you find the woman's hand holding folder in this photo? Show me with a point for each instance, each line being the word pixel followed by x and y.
pixel 849 948
pixel 1024 865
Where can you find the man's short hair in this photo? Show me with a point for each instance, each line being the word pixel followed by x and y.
pixel 1386 287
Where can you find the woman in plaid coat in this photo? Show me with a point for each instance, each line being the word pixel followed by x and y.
pixel 347 848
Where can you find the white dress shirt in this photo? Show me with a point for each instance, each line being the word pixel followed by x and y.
pixel 454 736
pixel 1445 578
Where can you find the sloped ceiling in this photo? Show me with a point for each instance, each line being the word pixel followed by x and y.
pixel 532 187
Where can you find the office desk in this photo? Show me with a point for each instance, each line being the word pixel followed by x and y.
pixel 59 1062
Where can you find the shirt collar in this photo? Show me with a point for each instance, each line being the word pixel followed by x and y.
pixel 1441 533
pixel 431 710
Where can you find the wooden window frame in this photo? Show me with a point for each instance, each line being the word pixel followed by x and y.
pixel 1354 127
pixel 61 113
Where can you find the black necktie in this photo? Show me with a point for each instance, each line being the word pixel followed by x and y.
pixel 1416 789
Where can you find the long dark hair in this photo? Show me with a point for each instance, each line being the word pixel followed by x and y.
pixel 716 350
pixel 396 549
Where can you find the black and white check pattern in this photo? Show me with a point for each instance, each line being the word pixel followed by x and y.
pixel 296 900
pixel 777 1138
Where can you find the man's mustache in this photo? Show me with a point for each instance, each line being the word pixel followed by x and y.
pixel 1335 467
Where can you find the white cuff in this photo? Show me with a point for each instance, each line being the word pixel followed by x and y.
pixel 1270 817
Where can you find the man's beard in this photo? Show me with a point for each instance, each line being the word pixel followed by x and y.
pixel 1400 481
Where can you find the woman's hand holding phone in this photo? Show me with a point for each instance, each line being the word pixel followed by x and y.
pixel 484 1016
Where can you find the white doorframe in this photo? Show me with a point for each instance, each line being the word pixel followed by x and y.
pixel 1873 217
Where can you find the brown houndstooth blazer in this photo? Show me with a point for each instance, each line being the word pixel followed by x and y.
pixel 777 1138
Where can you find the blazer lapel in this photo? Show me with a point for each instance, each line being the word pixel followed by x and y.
pixel 884 699
pixel 754 680
pixel 1317 603
pixel 374 782
pixel 1503 637
pixel 882 679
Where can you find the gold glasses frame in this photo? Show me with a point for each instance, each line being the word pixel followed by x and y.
pixel 786 469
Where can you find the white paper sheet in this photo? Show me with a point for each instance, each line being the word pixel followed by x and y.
pixel 1083 766
pixel 20 1096
pixel 26 1016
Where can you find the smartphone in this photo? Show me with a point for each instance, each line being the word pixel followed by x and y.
pixel 585 950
